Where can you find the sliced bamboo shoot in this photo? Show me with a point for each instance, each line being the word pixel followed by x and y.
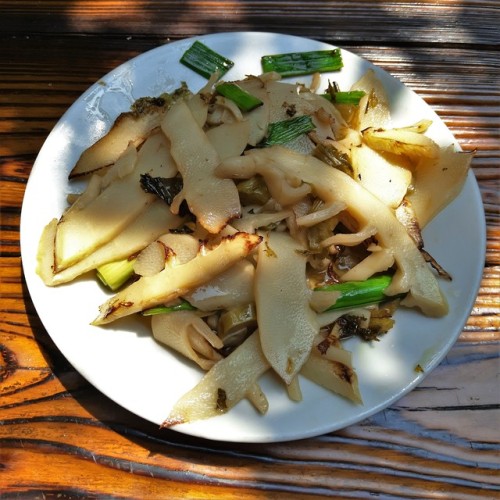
pixel 230 139
pixel 437 182
pixel 81 232
pixel 287 324
pixel 129 127
pixel 150 224
pixel 332 375
pixel 413 275
pixel 387 180
pixel 213 200
pixel 226 384
pixel 175 281
pixel 188 334
pixel 401 141
pixel 259 117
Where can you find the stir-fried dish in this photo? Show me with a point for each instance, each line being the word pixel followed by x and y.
pixel 257 224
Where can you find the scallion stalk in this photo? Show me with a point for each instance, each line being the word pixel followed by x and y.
pixel 243 99
pixel 181 306
pixel 358 293
pixel 205 61
pixel 348 97
pixel 287 130
pixel 114 274
pixel 303 63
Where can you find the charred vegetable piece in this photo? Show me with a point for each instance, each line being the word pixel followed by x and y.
pixel 287 130
pixel 357 293
pixel 243 99
pixel 205 61
pixel 303 63
pixel 197 160
pixel 412 275
pixel 350 325
pixel 176 280
pixel 165 189
pixel 133 126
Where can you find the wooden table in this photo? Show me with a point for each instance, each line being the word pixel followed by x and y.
pixel 61 438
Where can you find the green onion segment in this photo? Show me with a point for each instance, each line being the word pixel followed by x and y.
pixel 182 306
pixel 205 61
pixel 114 274
pixel 358 293
pixel 303 63
pixel 348 97
pixel 287 130
pixel 244 100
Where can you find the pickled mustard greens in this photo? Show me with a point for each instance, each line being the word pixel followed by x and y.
pixel 258 223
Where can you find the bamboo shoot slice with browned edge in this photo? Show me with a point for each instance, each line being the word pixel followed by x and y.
pixel 223 386
pixel 413 275
pixel 133 126
pixel 177 280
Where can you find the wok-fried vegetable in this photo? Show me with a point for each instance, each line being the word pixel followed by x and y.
pixel 412 274
pixel 303 63
pixel 329 154
pixel 373 108
pixel 145 228
pixel 280 285
pixel 223 386
pixel 357 293
pixel 165 189
pixel 253 191
pixel 230 139
pixel 401 141
pixel 237 323
pixel 351 97
pixel 174 281
pixel 197 159
pixel 437 182
pixel 243 99
pixel 80 232
pixel 288 130
pixel 187 333
pixel 205 61
pixel 183 305
pixel 333 375
pixel 133 126
pixel 229 289
pixel 388 178
pixel 114 274
pixel 338 250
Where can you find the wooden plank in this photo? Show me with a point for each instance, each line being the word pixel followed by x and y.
pixel 60 437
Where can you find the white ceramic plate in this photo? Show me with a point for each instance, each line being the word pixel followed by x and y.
pixel 132 369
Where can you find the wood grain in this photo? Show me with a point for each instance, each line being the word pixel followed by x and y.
pixel 60 437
